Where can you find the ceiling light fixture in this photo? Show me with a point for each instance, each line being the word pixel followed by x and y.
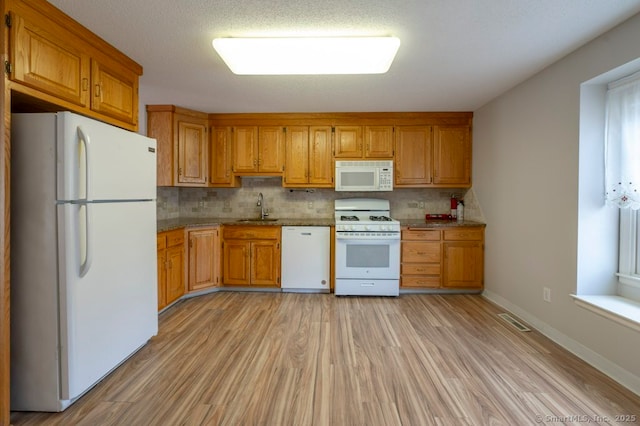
pixel 307 55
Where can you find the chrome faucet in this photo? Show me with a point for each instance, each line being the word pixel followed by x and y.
pixel 263 213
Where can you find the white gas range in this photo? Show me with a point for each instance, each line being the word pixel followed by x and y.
pixel 367 248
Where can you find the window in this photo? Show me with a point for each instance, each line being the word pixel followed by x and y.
pixel 608 262
pixel 622 171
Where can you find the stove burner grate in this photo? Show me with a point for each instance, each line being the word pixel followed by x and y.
pixel 349 218
pixel 380 218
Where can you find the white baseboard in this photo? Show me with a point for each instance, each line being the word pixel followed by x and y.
pixel 617 373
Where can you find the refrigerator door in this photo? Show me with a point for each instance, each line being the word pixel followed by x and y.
pixel 97 161
pixel 107 305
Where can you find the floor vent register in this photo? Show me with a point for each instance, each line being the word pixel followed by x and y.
pixel 514 322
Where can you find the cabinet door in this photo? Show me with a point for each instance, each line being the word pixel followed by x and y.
pixel 50 63
pixel 220 158
pixel 271 149
pixel 236 262
pixel 175 273
pixel 265 263
pixel 452 155
pixel 114 92
pixel 463 264
pixel 320 161
pixel 203 259
pixel 162 272
pixel 192 151
pixel 413 148
pixel 296 155
pixel 245 149
pixel 160 127
pixel 378 141
pixel 348 142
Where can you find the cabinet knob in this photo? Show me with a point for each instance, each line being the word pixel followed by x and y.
pixel 97 91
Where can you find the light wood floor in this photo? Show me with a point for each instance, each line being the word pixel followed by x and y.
pixel 310 359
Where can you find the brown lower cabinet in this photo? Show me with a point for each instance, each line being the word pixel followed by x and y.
pixel 170 267
pixel 204 258
pixel 251 256
pixel 442 258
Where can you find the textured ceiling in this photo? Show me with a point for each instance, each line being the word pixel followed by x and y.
pixel 455 55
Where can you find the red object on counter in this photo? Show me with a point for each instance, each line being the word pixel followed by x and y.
pixel 454 203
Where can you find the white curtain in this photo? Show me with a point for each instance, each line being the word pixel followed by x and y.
pixel 622 144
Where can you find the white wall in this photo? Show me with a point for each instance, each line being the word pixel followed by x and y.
pixel 526 157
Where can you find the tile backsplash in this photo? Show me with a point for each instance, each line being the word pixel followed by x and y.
pixel 282 202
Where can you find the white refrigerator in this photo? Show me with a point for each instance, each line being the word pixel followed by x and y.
pixel 83 254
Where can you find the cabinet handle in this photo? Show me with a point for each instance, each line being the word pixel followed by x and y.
pixel 180 171
pixel 97 90
pixel 85 84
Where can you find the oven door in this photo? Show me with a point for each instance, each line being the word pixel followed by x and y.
pixel 369 258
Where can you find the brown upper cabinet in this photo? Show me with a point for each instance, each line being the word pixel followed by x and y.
pixel 221 158
pixel 363 142
pixel 258 150
pixel 182 145
pixel 54 59
pixel 308 157
pixel 413 160
pixel 452 155
pixel 433 156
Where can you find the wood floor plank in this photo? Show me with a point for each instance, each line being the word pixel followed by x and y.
pixel 235 358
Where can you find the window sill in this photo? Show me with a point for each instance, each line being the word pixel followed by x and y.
pixel 619 309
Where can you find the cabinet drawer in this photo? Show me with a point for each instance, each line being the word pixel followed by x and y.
pixel 421 268
pixel 464 234
pixel 251 232
pixel 420 234
pixel 421 252
pixel 419 281
pixel 175 238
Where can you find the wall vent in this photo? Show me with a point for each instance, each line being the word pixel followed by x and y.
pixel 514 322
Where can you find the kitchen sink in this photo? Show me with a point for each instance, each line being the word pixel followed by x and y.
pixel 267 219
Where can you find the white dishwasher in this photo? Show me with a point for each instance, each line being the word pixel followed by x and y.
pixel 305 259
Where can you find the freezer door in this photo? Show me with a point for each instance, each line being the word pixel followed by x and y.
pixel 108 288
pixel 97 161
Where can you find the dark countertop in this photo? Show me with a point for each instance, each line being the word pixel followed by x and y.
pixel 421 223
pixel 171 224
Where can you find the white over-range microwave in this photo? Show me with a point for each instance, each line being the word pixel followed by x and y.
pixel 363 175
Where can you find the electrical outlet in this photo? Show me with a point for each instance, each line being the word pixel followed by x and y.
pixel 201 204
pixel 546 294
pixel 421 204
pixel 310 205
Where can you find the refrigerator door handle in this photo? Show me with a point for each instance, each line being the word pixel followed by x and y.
pixel 84 167
pixel 88 240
